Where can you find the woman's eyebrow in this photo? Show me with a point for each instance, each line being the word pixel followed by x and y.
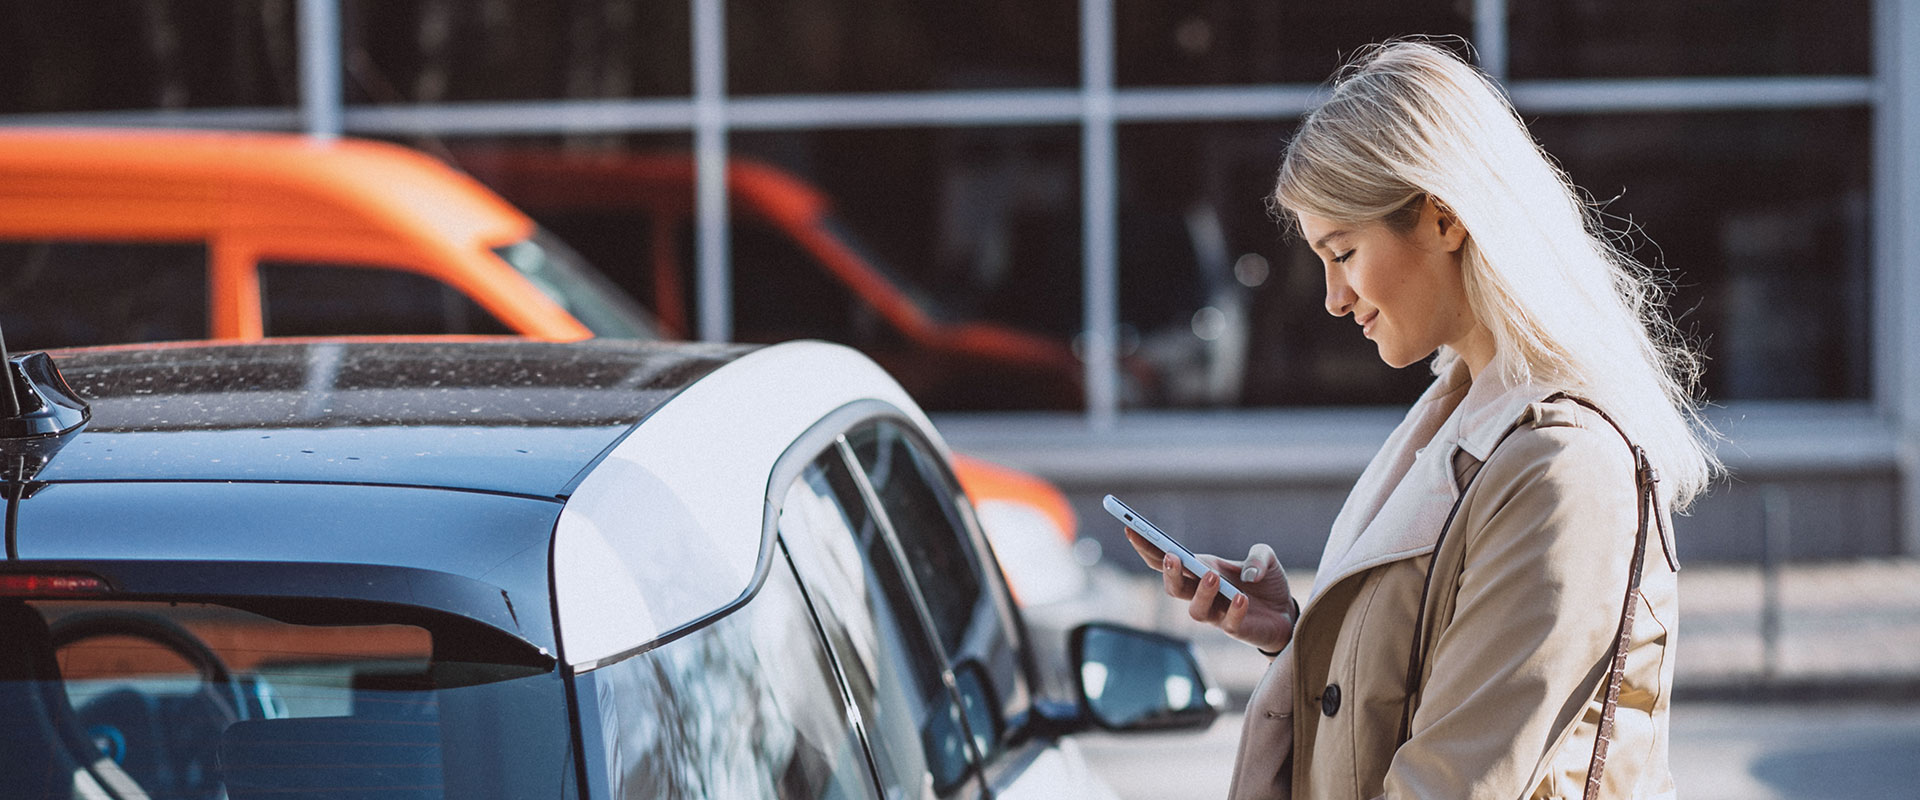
pixel 1322 241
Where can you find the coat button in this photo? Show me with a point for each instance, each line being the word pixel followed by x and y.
pixel 1330 700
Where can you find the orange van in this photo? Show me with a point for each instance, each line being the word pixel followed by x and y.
pixel 141 236
pixel 117 236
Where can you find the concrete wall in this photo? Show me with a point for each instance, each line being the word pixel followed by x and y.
pixel 1830 516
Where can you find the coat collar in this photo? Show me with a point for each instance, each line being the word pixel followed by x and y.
pixel 1403 498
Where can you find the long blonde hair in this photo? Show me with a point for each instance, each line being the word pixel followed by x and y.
pixel 1571 311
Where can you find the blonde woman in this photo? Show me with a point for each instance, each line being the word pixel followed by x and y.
pixel 1494 614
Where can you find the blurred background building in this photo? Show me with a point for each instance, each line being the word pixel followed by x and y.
pixel 1048 217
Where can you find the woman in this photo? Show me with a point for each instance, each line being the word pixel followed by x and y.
pixel 1461 634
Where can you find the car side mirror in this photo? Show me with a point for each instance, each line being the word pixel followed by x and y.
pixel 1132 680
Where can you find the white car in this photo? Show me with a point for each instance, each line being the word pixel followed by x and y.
pixel 603 569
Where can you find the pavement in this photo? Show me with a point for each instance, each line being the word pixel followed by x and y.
pixel 1839 631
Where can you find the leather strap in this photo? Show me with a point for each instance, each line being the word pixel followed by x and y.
pixel 1646 481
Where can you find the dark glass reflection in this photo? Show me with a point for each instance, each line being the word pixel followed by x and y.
pixel 1653 38
pixel 745 708
pixel 817 46
pixel 1213 293
pixel 1764 240
pixel 125 54
pixel 1172 42
pixel 975 228
pixel 433 51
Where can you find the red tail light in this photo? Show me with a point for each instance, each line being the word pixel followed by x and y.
pixel 43 585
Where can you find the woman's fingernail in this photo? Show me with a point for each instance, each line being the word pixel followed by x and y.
pixel 1250 574
pixel 1213 578
pixel 1240 601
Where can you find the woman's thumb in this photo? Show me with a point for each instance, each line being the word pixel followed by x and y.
pixel 1260 562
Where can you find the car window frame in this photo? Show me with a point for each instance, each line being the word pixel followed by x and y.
pixel 1014 751
pixel 1010 759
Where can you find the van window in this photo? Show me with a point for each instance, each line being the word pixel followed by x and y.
pixel 79 293
pixel 336 300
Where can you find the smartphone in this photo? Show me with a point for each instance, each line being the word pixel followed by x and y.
pixel 1167 544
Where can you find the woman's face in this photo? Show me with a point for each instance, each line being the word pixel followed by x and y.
pixel 1406 289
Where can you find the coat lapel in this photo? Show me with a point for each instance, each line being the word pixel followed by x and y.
pixel 1403 498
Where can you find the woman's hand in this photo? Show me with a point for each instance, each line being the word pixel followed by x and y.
pixel 1262 616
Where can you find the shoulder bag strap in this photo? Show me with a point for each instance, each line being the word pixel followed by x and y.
pixel 1646 480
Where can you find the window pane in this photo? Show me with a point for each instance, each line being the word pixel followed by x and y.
pixel 431 51
pixel 933 548
pixel 1218 307
pixel 1767 237
pixel 963 594
pixel 128 54
pixel 1646 38
pixel 325 300
pixel 747 707
pixel 74 294
pixel 901 45
pixel 1171 42
pixel 884 652
pixel 952 257
pixel 201 700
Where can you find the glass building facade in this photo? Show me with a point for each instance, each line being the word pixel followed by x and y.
pixel 1085 181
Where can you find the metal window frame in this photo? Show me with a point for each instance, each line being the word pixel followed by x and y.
pixel 1099 107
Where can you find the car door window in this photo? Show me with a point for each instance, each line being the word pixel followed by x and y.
pixel 888 657
pixel 336 300
pixel 77 293
pixel 971 610
pixel 748 707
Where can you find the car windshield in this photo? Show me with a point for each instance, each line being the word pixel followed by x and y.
pixel 197 700
pixel 569 280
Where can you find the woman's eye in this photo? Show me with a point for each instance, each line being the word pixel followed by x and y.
pixel 1342 258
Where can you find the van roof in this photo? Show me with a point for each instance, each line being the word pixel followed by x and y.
pixel 285 179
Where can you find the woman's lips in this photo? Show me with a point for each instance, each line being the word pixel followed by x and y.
pixel 1366 322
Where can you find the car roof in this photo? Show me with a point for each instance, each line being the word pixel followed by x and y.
pixel 508 416
pixel 618 488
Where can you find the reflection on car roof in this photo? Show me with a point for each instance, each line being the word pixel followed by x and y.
pixel 514 417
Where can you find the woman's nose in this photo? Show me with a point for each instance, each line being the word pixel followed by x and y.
pixel 1340 296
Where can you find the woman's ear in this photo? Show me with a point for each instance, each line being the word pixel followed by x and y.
pixel 1440 220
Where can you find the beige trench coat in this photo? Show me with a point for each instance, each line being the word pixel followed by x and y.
pixel 1522 639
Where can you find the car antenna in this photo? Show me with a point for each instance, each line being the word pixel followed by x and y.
pixel 13 394
pixel 42 413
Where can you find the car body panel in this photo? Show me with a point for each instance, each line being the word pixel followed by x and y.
pixel 694 473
